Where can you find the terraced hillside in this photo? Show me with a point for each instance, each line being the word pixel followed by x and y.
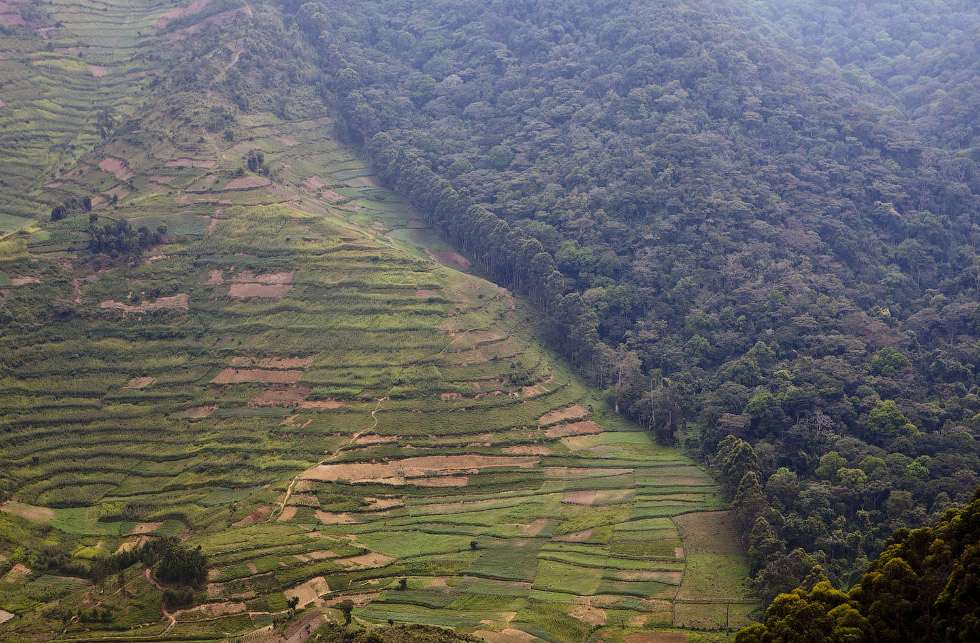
pixel 297 378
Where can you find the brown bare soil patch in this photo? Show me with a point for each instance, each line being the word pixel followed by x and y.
pixel 28 512
pixel 248 291
pixel 309 591
pixel 175 301
pixel 2 105
pixel 422 293
pixel 585 427
pixel 330 196
pixel 97 70
pixel 11 20
pixel 323 405
pixel 398 472
pixel 509 635
pixel 451 259
pixel 145 528
pixel 253 517
pixel 656 637
pixel 531 391
pixel 659 575
pixel 535 527
pixel 562 415
pixel 313 183
pixel 364 181
pixel 4 614
pixel 246 183
pixel 444 481
pixel 288 141
pixel 370 559
pixel 116 167
pixel 281 363
pixel 130 545
pixel 679 552
pixel 597 497
pixel 288 513
pixel 376 439
pixel 259 375
pixel 197 412
pixel 380 504
pixel 281 396
pixel 160 179
pixel 186 162
pixel 709 532
pixel 360 600
pixel 120 192
pixel 448 397
pixel 248 277
pixel 16 573
pixel 216 278
pixel 321 555
pixel 528 450
pixel 585 498
pixel 216 610
pixel 330 518
pixel 572 473
pixel 577 537
pixel 140 382
pixel 589 615
pixel 23 281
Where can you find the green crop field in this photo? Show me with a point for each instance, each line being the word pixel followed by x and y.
pixel 290 381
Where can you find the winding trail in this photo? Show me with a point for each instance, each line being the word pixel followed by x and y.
pixel 292 485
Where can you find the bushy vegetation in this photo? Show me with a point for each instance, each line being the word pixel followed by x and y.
pixel 122 240
pixel 922 588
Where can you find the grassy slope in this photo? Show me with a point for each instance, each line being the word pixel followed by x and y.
pixel 404 358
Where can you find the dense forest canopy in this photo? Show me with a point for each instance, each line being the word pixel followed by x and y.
pixel 738 220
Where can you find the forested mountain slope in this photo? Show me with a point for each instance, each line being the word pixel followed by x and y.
pixel 728 233
pixel 923 588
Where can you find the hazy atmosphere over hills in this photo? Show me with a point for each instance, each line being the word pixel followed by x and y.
pixel 506 321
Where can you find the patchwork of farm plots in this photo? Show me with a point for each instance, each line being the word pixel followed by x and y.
pixel 292 383
pixel 60 90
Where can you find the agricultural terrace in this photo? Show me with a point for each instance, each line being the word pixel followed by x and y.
pixel 300 381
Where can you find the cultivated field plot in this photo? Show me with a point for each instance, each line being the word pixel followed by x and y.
pixel 299 381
